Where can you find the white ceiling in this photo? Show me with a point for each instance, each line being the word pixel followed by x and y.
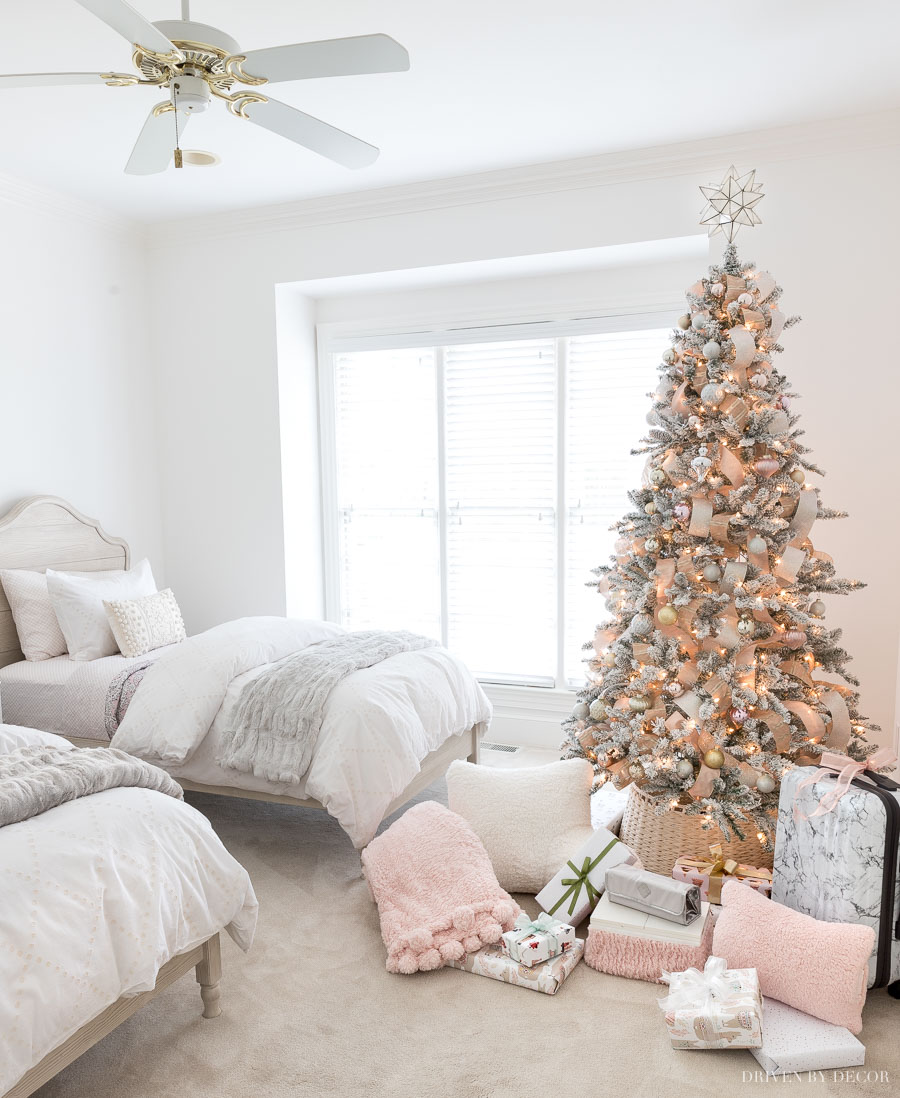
pixel 493 84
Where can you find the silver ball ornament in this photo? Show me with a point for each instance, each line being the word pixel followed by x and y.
pixel 682 511
pixel 684 768
pixel 757 545
pixel 712 394
pixel 717 289
pixel 711 349
pixel 657 476
pixel 699 321
pixel 609 659
pixel 738 714
pixel 641 625
pixel 684 322
pixel 745 299
pixel 581 711
pixel 712 573
pixel 817 609
pixel 674 688
pixel 670 357
pixel 651 545
pixel 759 381
pixel 765 783
pixel 597 709
pixel 746 627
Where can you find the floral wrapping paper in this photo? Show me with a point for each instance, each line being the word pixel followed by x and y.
pixel 730 1021
pixel 532 942
pixel 548 977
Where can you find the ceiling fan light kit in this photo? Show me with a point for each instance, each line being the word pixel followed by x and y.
pixel 197 63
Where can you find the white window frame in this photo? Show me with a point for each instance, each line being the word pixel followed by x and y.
pixel 438 333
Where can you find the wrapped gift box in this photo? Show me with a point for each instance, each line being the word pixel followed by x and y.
pixel 548 977
pixel 709 873
pixel 795 1042
pixel 717 1008
pixel 533 941
pixel 626 942
pixel 574 891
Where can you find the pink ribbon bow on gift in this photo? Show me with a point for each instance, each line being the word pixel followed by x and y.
pixel 847 769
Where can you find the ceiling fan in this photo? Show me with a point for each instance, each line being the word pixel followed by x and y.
pixel 197 63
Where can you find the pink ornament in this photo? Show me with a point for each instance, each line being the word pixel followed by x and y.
pixel 766 466
pixel 682 512
pixel 738 715
pixel 783 402
pixel 794 638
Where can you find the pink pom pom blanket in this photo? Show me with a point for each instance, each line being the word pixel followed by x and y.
pixel 437 894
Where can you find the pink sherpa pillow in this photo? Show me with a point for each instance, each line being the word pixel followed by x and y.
pixel 819 968
pixel 437 894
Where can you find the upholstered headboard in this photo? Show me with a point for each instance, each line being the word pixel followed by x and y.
pixel 46 532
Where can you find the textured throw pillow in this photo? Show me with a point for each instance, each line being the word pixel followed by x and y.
pixel 77 598
pixel 40 636
pixel 530 819
pixel 819 968
pixel 140 625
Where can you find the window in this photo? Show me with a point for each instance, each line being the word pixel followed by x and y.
pixel 470 487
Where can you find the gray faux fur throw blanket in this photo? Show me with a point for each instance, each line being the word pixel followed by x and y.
pixel 36 779
pixel 278 716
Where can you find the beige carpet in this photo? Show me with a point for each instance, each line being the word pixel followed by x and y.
pixel 312 1011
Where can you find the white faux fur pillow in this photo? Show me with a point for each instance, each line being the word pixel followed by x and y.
pixel 530 819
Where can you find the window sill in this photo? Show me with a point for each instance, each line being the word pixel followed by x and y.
pixel 537 702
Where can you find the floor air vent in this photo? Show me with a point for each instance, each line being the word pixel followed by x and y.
pixel 498 747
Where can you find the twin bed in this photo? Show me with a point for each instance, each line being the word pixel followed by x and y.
pixel 389 731
pixel 105 900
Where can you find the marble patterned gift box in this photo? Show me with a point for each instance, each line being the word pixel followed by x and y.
pixel 548 977
pixel 717 1008
pixel 795 1042
pixel 709 873
pixel 533 941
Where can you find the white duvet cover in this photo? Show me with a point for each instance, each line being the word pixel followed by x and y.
pixel 379 725
pixel 95 897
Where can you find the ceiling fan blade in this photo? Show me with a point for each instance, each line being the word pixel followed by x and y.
pixel 48 79
pixel 311 133
pixel 155 144
pixel 334 57
pixel 137 30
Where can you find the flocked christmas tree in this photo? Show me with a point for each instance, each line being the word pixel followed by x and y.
pixel 706 684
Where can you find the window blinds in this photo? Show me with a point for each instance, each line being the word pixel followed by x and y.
pixel 475 486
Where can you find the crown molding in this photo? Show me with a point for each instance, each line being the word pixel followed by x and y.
pixel 26 195
pixel 685 158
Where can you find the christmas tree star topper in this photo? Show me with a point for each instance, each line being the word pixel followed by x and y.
pixel 730 204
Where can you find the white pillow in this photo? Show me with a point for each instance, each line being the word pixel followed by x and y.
pixel 40 636
pixel 140 625
pixel 530 819
pixel 77 598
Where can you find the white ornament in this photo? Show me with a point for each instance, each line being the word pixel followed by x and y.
pixel 712 394
pixel 765 783
pixel 701 464
pixel 651 545
pixel 684 768
pixel 641 624
pixel 817 609
pixel 699 321
pixel 717 289
pixel 711 349
pixel 757 545
pixel 759 381
pixel 712 573
pixel 745 299
pixel 581 712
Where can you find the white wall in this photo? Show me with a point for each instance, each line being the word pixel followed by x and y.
pixel 221 458
pixel 77 391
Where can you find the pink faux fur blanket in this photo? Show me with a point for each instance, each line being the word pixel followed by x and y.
pixel 436 891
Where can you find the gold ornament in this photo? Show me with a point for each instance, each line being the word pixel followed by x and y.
pixel 714 759
pixel 668 615
pixel 798 476
pixel 639 704
pixel 650 508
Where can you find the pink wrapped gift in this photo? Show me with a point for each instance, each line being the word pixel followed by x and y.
pixel 709 873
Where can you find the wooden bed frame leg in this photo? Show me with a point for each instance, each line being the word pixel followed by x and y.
pixel 209 972
pixel 475 755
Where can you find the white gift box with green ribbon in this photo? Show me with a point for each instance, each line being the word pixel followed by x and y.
pixel 577 887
